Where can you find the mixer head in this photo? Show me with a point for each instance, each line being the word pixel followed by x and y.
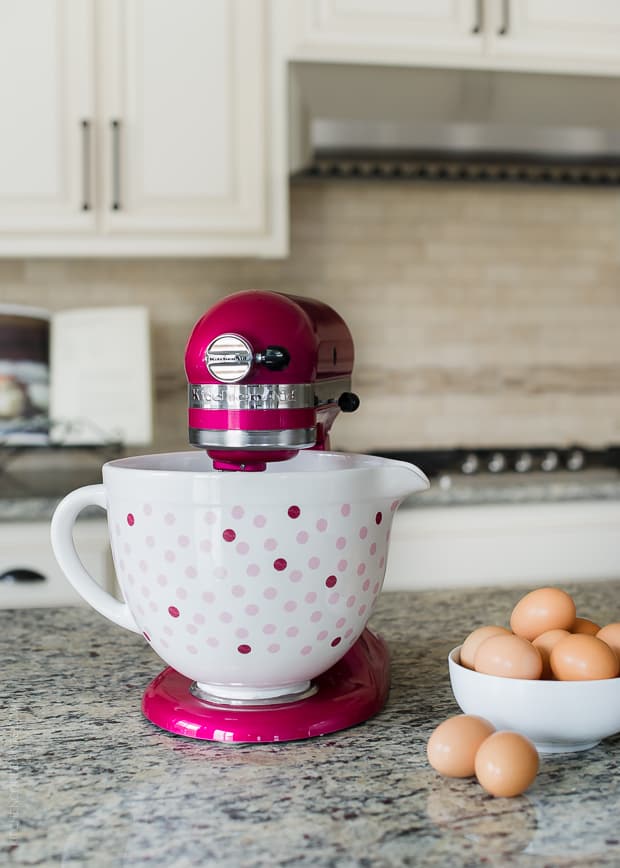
pixel 268 374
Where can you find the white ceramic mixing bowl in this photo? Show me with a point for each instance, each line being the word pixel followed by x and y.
pixel 558 716
pixel 250 584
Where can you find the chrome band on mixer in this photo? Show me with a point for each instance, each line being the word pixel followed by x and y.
pixel 227 438
pixel 252 396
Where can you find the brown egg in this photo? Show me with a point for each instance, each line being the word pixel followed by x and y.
pixel 584 625
pixel 610 634
pixel 475 639
pixel 580 657
pixel 451 749
pixel 508 656
pixel 544 643
pixel 506 764
pixel 542 610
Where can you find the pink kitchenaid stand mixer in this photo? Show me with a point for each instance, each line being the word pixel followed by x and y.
pixel 252 564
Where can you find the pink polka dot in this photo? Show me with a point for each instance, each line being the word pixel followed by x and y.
pixel 394 505
pixel 363 532
pixel 253 570
pixel 361 610
pixel 296 576
pixel 345 509
pixel 375 590
pixel 269 629
pixel 192 629
pixel 241 633
pixel 213 642
pixel 205 545
pixel 173 612
pixel 147 509
pixel 314 563
pixel 270 544
pixel 192 649
pixel 147 637
pixel 316 616
pixel 273 648
pixel 225 617
pixel 321 525
pixel 321 636
pixel 191 572
pixel 294 512
pixel 244 649
pixel 279 564
pixel 260 521
pixel 307 649
pixel 251 609
pixel 378 518
pixel 183 541
pixel 143 566
pixel 130 519
pixel 361 569
pixel 302 537
pixel 198 618
pixel 145 591
pixel 381 563
pixel 238 591
pixel 208 597
pixel 150 541
pixel 341 622
pixel 270 593
pixel 330 581
pixel 153 606
pixel 238 512
pixel 169 518
pixel 366 584
pixel 170 556
pixel 242 548
pixel 220 572
pixel 351 601
pixel 333 599
pixel 341 542
pixel 210 517
pixel 181 593
pixel 229 535
pixel 348 633
pixel 162 580
pixel 335 641
pixel 373 548
pixel 310 597
pixel 292 632
pixel 290 606
pixel 342 565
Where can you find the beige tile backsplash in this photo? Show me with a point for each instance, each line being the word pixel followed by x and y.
pixel 482 315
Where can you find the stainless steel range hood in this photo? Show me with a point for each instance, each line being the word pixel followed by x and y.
pixel 358 118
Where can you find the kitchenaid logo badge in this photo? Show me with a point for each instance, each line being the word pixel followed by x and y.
pixel 229 358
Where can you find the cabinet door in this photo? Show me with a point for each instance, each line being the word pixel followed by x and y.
pixel 571 36
pixel 385 31
pixel 46 116
pixel 185 122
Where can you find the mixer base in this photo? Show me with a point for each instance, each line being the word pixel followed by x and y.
pixel 353 690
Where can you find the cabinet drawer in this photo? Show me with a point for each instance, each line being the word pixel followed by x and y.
pixel 25 549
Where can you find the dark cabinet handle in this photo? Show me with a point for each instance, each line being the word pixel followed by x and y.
pixel 115 126
pixel 21 574
pixel 86 170
pixel 478 17
pixel 505 22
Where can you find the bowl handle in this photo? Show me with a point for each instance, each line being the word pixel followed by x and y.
pixel 61 532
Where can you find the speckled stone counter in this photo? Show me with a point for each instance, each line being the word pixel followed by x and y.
pixel 86 780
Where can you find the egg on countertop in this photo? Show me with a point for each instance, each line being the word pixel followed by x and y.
pixel 475 639
pixel 509 657
pixel 542 610
pixel 610 634
pixel 452 747
pixel 581 657
pixel 506 764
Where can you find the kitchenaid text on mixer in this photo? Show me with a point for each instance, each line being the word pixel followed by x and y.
pixel 252 564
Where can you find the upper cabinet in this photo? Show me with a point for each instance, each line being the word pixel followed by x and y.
pixel 572 36
pixel 164 146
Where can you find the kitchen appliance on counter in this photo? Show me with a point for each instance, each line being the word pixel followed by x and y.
pixel 253 565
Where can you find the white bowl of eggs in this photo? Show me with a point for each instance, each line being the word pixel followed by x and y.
pixel 552 677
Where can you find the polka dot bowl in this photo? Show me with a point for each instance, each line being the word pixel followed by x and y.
pixel 250 584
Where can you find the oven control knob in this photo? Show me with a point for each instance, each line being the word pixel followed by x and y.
pixel 497 462
pixel 549 461
pixel 523 462
pixel 470 464
pixel 575 460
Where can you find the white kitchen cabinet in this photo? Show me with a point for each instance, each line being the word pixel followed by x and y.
pixel 529 35
pixel 179 157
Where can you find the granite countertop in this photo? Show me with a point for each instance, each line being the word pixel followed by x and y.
pixel 86 780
